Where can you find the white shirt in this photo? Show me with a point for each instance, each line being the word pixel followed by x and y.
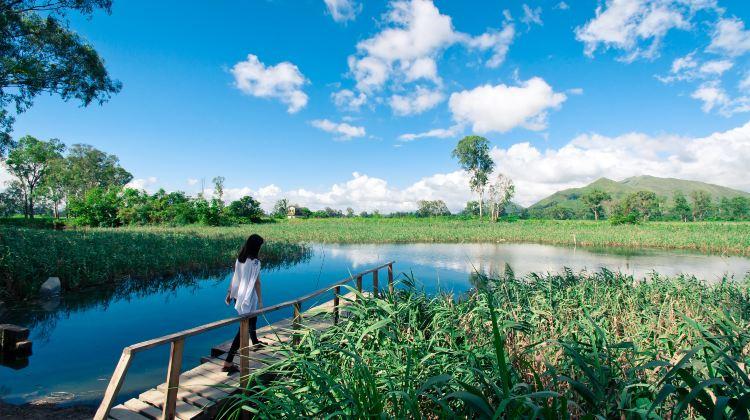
pixel 243 285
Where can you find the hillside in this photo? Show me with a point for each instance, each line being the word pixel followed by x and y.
pixel 664 187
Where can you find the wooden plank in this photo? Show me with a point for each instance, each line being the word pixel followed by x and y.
pixel 183 410
pixel 173 378
pixel 120 412
pixel 143 408
pixel 375 283
pixel 115 383
pixel 390 278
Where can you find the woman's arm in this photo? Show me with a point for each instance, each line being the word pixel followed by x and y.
pixel 257 291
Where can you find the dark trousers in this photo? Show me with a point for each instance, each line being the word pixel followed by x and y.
pixel 236 342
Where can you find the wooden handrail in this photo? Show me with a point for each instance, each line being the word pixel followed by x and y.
pixel 177 341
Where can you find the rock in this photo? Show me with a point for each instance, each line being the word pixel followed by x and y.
pixel 10 335
pixel 23 348
pixel 51 287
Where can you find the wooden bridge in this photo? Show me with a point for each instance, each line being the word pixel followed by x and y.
pixel 197 393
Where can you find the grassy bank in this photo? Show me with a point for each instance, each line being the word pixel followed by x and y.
pixel 714 237
pixel 560 346
pixel 82 258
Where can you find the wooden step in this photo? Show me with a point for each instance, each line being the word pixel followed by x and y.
pixel 121 412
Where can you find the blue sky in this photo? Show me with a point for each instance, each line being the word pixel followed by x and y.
pixel 565 92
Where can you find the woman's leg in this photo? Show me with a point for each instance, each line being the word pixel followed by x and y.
pixel 232 350
pixel 253 333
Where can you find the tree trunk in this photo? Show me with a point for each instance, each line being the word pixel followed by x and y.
pixel 596 215
pixel 57 214
pixel 31 203
pixel 481 203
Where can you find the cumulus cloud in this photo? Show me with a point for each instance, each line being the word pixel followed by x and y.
pixel 637 27
pixel 283 81
pixel 343 131
pixel 730 37
pixel 440 133
pixel 347 100
pixel 414 34
pixel 715 98
pixel 343 10
pixel 719 158
pixel 417 102
pixel 146 184
pixel 192 181
pixel 501 107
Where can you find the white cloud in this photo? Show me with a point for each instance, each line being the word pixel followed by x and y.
pixel 343 131
pixel 342 10
pixel 716 67
pixel 562 6
pixel 714 97
pixel 417 102
pixel 348 100
pixel 501 108
pixel 730 37
pixel 531 16
pixel 637 27
pixel 192 181
pixel 744 84
pixel 719 158
pixel 440 133
pixel 283 81
pixel 146 184
pixel 575 91
pixel 414 34
pixel 688 68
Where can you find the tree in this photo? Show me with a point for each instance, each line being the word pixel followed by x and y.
pixel 280 209
pixel 701 204
pixel 349 212
pixel 55 185
pixel 10 200
pixel 88 167
pixel 680 206
pixel 645 203
pixel 500 193
pixel 40 54
pixel 429 208
pixel 29 161
pixel 219 187
pixel 740 208
pixel 594 200
pixel 99 208
pixel 473 155
pixel 246 209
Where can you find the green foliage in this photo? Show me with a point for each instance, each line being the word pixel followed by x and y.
pixel 600 345
pixel 245 210
pixel 701 201
pixel 430 208
pixel 29 162
pixel 680 209
pixel 98 208
pixel 594 199
pixel 86 167
pixel 280 209
pixel 40 54
pixel 87 257
pixel 473 155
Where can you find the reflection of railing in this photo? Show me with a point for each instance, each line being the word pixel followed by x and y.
pixel 177 342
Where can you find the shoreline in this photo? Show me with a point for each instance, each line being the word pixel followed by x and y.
pixel 44 411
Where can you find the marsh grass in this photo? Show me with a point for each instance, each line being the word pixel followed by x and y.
pixel 88 257
pixel 601 345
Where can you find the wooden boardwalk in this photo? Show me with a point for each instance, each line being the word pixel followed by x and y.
pixel 198 393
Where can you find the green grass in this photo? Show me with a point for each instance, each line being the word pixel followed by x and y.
pixel 88 257
pixel 709 237
pixel 559 346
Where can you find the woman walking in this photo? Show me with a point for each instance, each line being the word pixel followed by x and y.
pixel 246 292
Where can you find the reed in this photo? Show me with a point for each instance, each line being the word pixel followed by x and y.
pixel 579 345
pixel 88 257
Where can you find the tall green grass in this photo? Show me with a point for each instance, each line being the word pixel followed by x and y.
pixel 87 257
pixel 709 237
pixel 583 345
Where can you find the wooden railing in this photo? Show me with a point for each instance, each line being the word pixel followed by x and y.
pixel 177 342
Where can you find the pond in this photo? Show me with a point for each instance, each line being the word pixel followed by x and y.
pixel 77 340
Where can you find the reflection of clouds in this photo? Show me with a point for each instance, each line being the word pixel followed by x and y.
pixel 528 258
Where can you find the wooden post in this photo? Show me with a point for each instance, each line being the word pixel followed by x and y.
pixel 336 291
pixel 375 284
pixel 296 322
pixel 359 284
pixel 173 378
pixel 115 383
pixel 244 352
pixel 390 278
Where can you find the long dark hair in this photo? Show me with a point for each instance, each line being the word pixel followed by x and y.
pixel 250 249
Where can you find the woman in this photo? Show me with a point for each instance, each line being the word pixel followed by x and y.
pixel 245 290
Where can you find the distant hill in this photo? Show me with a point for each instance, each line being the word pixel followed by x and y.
pixel 665 187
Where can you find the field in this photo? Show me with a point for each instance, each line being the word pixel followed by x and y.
pixel 559 346
pixel 82 258
pixel 708 237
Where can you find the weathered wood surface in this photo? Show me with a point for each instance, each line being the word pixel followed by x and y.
pixel 201 389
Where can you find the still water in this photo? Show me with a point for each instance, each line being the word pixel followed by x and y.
pixel 77 340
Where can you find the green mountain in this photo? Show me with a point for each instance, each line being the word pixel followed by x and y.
pixel 665 187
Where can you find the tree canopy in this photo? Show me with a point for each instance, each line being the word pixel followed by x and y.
pixel 473 155
pixel 40 54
